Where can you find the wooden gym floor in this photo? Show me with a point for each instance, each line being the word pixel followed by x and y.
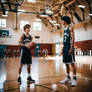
pixel 48 72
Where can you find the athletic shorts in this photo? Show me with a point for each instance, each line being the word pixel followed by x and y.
pixel 67 58
pixel 26 57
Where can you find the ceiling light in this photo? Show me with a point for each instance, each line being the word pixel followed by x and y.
pixel 56 24
pixel 52 21
pixel 90 14
pixel 6 14
pixel 81 6
pixel 2 1
pixel 21 10
pixel 33 1
pixel 38 19
pixel 49 12
pixel 43 15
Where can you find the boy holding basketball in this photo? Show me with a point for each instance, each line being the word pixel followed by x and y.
pixel 26 57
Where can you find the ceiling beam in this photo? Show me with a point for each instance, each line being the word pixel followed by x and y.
pixel 17 4
pixel 60 2
pixel 45 20
pixel 89 4
pixel 49 21
pixel 3 8
pixel 90 9
pixel 14 10
pixel 56 12
pixel 9 4
pixel 21 2
pixel 79 4
pixel 42 20
pixel 58 19
pixel 54 8
pixel 70 3
pixel 83 15
pixel 77 17
pixel 75 13
pixel 32 6
pixel 55 15
pixel 72 15
pixel 57 6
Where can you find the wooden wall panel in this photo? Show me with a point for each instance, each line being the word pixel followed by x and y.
pixel 84 45
pixel 53 49
pixel 46 46
pixel 12 48
pixel 16 47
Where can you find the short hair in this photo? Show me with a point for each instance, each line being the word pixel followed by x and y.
pixel 66 19
pixel 27 26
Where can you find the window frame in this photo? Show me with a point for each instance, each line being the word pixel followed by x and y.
pixel 2 23
pixel 23 22
pixel 37 26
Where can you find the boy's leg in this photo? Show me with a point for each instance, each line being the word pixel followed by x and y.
pixel 74 81
pixel 67 69
pixel 29 77
pixel 67 79
pixel 28 69
pixel 19 78
pixel 20 69
pixel 74 68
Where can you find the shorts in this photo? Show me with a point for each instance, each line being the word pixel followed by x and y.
pixel 26 57
pixel 67 58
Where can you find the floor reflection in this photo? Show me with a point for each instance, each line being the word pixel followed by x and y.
pixel 48 72
pixel 2 72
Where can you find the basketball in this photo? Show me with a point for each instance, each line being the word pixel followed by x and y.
pixel 32 45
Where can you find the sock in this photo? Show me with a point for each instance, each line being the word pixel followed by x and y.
pixel 68 76
pixel 74 77
pixel 19 75
pixel 28 74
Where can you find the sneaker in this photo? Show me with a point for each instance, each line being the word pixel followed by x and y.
pixel 66 80
pixel 29 79
pixel 73 82
pixel 19 79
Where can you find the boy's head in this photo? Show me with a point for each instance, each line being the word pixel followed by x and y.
pixel 27 27
pixel 66 19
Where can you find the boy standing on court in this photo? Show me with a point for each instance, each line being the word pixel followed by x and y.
pixel 26 57
pixel 68 51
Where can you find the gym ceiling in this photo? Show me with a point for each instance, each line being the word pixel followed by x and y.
pixel 57 8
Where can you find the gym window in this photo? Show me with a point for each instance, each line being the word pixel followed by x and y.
pixel 37 26
pixel 22 23
pixel 2 22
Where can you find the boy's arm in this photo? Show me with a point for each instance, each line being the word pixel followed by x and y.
pixel 31 38
pixel 72 36
pixel 61 49
pixel 20 41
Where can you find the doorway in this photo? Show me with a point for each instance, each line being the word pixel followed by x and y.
pixel 57 49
